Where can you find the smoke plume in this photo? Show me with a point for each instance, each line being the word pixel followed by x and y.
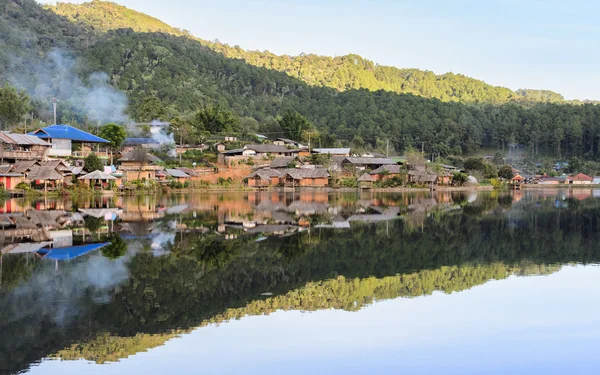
pixel 57 76
pixel 158 131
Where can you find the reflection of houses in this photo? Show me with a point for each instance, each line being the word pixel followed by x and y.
pixel 15 147
pixel 62 138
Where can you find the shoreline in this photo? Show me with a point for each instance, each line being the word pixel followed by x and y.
pixel 16 194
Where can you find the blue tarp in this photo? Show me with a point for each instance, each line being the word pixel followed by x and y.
pixel 67 132
pixel 72 252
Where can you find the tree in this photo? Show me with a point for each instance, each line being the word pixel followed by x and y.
pixel 294 124
pixel 216 119
pixel 460 178
pixel 92 163
pixel 114 133
pixel 13 106
pixel 506 172
pixel 116 249
pixel 474 164
pixel 151 109
pixel 415 159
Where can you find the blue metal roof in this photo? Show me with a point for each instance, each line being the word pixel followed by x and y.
pixel 140 141
pixel 71 252
pixel 67 132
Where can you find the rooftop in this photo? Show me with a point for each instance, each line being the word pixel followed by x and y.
pixel 140 141
pixel 332 151
pixel 177 173
pixel 22 139
pixel 392 169
pixel 371 161
pixel 67 132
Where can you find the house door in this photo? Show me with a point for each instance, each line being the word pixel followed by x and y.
pixel 7 184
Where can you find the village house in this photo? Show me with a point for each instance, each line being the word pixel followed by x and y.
pixel 15 147
pixel 177 175
pixel 422 177
pixel 140 165
pixel 255 152
pixel 131 143
pixel 263 178
pixel 288 143
pixel 332 151
pixel 366 181
pixel 285 162
pixel 315 177
pixel 580 179
pixel 46 177
pixel 62 138
pixel 386 172
pixel 360 164
pixel 9 180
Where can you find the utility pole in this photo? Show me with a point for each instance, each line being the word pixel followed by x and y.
pixel 387 148
pixel 54 107
pixel 423 148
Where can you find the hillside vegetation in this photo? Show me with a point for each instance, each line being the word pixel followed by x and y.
pixel 341 73
pixel 179 75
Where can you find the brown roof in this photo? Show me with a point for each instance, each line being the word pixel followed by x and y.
pixel 24 165
pixel 301 173
pixel 419 176
pixel 56 164
pixel 44 173
pixel 5 168
pixel 365 178
pixel 370 161
pixel 391 169
pixel 265 173
pixel 22 139
pixel 581 177
pixel 266 148
pixel 282 162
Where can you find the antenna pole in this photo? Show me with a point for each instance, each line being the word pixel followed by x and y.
pixel 54 107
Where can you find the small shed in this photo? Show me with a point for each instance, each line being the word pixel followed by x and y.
pixel 177 174
pixel 45 175
pixel 366 181
pixel 98 179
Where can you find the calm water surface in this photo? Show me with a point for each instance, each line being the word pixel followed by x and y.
pixel 297 283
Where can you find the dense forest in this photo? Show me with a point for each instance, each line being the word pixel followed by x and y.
pixel 348 100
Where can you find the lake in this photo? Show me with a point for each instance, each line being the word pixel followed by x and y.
pixel 302 282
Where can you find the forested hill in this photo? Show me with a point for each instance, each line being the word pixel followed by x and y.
pixel 341 73
pixel 172 77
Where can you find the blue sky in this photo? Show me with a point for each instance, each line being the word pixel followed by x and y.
pixel 518 44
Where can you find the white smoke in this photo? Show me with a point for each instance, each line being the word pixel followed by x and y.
pixel 158 131
pixel 56 76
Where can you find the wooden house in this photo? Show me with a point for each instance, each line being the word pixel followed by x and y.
pixel 316 177
pixel 386 172
pixel 263 178
pixel 62 137
pixel 366 181
pixel 16 147
pixel 580 179
pixel 139 165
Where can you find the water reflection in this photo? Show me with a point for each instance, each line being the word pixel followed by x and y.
pixel 104 278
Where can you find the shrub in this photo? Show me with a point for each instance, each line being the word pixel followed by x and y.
pixel 22 186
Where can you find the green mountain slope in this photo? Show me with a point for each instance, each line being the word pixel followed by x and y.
pixel 341 73
pixel 184 74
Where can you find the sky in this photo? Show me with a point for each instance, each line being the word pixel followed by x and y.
pixel 540 44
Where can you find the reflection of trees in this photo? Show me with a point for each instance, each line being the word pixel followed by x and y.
pixel 116 249
pixel 207 279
